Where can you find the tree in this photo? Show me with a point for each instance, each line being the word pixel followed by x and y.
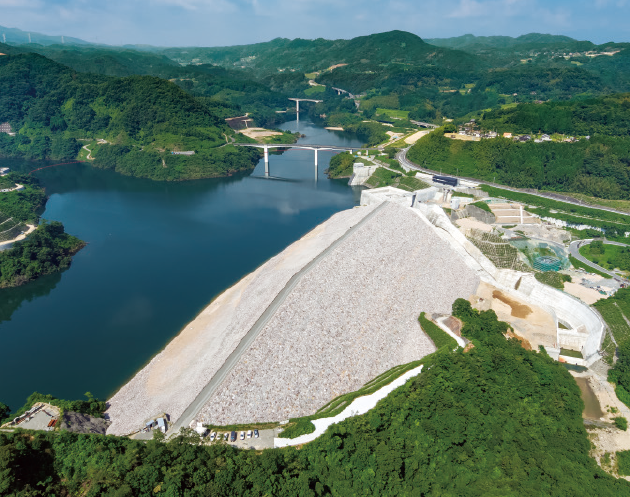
pixel 5 410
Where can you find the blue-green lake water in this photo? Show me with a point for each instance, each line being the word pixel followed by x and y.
pixel 157 254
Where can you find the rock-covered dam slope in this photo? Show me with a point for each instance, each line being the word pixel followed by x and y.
pixel 354 316
pixel 175 376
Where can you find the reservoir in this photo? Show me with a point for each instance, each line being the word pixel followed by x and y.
pixel 157 253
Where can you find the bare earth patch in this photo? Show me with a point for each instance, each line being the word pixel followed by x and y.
pixel 256 133
pixel 416 136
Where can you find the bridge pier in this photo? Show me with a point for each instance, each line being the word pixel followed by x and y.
pixel 266 153
pixel 315 164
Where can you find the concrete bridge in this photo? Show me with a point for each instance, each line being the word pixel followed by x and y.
pixel 297 104
pixel 316 148
pixel 424 125
pixel 341 90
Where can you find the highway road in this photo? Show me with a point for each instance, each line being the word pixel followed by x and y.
pixel 402 159
pixel 206 393
pixel 574 249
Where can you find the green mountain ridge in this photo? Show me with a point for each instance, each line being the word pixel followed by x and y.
pixel 143 118
pixel 500 41
pixel 15 35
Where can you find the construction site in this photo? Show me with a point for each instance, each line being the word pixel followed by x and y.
pixel 340 306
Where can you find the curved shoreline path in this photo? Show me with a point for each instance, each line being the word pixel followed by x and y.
pixel 206 393
pixel 574 250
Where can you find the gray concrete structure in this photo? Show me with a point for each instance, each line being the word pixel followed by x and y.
pixel 315 148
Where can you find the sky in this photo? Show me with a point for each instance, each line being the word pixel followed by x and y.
pixel 237 22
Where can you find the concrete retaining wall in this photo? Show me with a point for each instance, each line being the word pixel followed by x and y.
pixel 361 173
pixel 587 327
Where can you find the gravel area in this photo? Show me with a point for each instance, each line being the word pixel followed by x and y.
pixel 351 318
pixel 174 377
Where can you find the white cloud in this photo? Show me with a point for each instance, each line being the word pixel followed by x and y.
pixel 194 5
pixel 474 8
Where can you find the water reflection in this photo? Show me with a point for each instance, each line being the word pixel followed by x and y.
pixel 156 254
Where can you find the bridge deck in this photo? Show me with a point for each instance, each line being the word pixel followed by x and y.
pixel 294 145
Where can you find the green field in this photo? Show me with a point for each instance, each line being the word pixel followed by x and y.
pixel 398 114
pixel 383 177
pixel 601 259
pixel 313 90
pixel 411 184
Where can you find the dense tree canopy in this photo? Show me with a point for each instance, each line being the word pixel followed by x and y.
pixel 47 250
pixel 598 167
pixel 496 420
pixel 51 107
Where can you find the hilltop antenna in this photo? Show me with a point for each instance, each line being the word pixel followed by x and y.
pixel 29 37
pixel 62 42
pixel 4 38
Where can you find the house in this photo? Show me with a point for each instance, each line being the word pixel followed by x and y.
pixel 507 135
pixel 5 128
pixel 187 152
pixel 492 134
pixel 524 138
pixel 545 138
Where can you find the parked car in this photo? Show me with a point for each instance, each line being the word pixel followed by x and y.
pixel 213 435
pixel 242 435
pixel 233 437
pixel 249 434
pixel 225 436
pixel 256 434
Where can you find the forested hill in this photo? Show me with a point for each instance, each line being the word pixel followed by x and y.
pixel 14 35
pixel 609 115
pixel 312 55
pixel 143 118
pixel 465 42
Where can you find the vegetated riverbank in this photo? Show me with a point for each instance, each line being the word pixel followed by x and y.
pixel 140 121
pixel 176 245
pixel 45 250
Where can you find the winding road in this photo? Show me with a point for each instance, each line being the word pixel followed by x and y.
pixel 206 393
pixel 574 249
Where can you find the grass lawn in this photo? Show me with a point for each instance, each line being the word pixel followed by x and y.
pixel 412 184
pixel 383 177
pixel 620 205
pixel 401 114
pixel 610 252
pixel 314 90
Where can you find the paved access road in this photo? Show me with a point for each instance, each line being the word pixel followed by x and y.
pixel 204 396
pixel 574 249
pixel 402 159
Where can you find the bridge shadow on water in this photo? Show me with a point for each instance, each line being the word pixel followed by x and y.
pixel 278 178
